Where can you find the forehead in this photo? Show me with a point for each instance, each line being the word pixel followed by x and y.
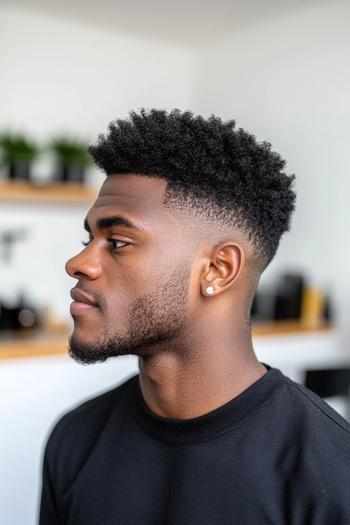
pixel 135 196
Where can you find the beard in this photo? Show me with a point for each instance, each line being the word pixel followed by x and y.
pixel 153 319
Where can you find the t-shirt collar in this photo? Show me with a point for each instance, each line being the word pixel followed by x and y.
pixel 212 424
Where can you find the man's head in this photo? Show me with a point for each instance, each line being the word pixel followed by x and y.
pixel 209 205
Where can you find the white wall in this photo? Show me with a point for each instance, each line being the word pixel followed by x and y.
pixel 55 76
pixel 287 80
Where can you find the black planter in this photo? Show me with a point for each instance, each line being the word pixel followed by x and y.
pixel 21 317
pixel 19 170
pixel 72 173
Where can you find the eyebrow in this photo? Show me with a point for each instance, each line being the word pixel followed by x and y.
pixel 108 222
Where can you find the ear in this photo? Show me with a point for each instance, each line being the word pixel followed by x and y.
pixel 223 269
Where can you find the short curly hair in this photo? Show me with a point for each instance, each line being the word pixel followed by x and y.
pixel 208 164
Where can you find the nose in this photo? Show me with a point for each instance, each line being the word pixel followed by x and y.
pixel 84 264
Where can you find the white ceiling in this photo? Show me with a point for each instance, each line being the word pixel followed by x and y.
pixel 185 22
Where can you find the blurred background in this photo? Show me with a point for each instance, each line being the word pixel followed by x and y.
pixel 280 69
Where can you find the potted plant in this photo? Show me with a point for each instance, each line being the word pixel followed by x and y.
pixel 18 152
pixel 72 159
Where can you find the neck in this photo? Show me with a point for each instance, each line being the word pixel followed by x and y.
pixel 194 378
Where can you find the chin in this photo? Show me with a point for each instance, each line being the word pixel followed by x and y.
pixel 79 336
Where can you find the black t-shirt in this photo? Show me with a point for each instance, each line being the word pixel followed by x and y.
pixel 275 454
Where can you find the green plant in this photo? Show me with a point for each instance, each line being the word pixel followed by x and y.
pixel 70 152
pixel 16 147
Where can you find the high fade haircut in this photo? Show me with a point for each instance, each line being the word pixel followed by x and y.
pixel 211 167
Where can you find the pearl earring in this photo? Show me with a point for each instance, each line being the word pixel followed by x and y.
pixel 210 290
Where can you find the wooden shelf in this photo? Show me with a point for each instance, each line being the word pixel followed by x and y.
pixel 46 343
pixel 289 327
pixel 68 193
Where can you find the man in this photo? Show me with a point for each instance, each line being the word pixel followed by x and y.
pixel 190 214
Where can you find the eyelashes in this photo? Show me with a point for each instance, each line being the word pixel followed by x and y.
pixel 111 241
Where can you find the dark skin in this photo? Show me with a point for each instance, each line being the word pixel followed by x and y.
pixel 195 350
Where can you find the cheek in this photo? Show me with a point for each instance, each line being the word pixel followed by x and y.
pixel 144 275
pixel 121 292
pixel 138 276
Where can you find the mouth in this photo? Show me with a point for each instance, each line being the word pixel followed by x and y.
pixel 82 303
pixel 79 308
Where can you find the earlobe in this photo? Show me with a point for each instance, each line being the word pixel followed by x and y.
pixel 208 290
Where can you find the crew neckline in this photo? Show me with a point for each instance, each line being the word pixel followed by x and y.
pixel 214 423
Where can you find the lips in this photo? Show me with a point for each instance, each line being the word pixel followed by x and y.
pixel 82 297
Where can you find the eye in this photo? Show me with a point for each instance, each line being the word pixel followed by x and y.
pixel 112 241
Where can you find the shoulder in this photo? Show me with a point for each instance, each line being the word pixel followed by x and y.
pixel 315 437
pixel 317 411
pixel 92 410
pixel 74 434
pixel 315 458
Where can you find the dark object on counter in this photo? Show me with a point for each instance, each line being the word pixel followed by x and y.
pixel 21 317
pixel 328 309
pixel 263 306
pixel 289 297
pixel 329 382
pixel 255 306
